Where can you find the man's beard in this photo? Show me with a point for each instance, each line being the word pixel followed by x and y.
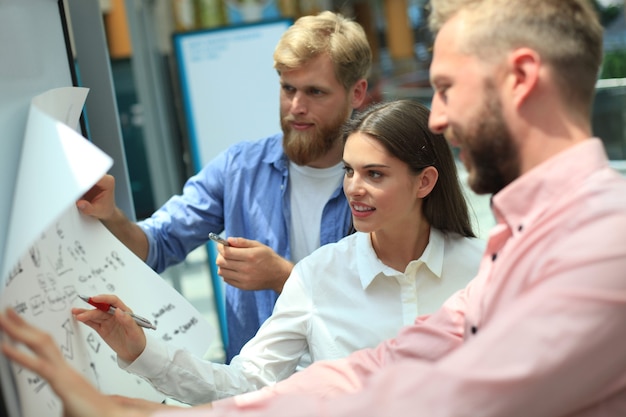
pixel 491 156
pixel 302 148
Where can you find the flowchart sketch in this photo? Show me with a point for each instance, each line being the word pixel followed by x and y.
pixel 55 254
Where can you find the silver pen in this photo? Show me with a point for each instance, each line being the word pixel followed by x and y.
pixel 216 238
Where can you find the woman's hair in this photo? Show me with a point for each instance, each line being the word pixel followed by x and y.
pixel 402 128
pixel 342 39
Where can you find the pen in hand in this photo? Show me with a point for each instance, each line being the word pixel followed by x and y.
pixel 108 308
pixel 216 238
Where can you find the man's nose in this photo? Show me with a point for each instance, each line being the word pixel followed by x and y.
pixel 438 120
pixel 299 103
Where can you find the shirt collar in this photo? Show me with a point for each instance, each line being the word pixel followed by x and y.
pixel 370 267
pixel 535 191
pixel 275 155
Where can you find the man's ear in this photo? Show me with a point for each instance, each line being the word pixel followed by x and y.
pixel 426 181
pixel 359 92
pixel 524 65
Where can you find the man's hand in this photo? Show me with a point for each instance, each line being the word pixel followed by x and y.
pixel 251 265
pixel 99 201
pixel 118 330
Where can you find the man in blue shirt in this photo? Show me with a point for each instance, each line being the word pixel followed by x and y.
pixel 278 198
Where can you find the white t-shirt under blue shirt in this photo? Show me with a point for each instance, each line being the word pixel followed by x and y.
pixel 309 190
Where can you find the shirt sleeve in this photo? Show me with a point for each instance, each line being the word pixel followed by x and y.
pixel 183 223
pixel 437 334
pixel 555 349
pixel 554 352
pixel 272 355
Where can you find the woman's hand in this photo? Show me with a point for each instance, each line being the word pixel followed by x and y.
pixel 80 398
pixel 118 330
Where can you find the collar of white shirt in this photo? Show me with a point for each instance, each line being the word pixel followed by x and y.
pixel 370 266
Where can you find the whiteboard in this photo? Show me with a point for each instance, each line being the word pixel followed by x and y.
pixel 228 85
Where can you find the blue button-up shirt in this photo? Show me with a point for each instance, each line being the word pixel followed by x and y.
pixel 242 192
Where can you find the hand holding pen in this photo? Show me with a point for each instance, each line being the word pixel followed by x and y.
pixel 115 325
pixel 108 308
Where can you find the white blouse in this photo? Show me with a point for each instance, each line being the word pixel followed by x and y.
pixel 339 299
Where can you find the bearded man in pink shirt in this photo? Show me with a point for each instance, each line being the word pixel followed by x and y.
pixel 541 330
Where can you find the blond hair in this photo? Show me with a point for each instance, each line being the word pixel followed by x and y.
pixel 326 33
pixel 565 33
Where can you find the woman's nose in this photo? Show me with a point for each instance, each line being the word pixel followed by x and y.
pixel 353 186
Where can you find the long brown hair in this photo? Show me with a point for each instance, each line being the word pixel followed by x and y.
pixel 402 128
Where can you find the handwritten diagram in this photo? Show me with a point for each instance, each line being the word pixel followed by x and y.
pixel 77 255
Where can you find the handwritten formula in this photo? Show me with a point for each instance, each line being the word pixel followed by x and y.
pixel 77 255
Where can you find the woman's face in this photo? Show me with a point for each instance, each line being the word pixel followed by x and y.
pixel 381 190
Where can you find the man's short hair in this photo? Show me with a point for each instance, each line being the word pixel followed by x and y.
pixel 342 39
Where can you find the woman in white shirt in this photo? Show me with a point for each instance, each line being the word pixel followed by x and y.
pixel 413 247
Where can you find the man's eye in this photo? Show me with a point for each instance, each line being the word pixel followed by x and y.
pixel 442 92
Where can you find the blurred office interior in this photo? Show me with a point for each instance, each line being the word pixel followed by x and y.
pixel 139 36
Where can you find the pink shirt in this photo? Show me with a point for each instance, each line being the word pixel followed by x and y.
pixel 541 330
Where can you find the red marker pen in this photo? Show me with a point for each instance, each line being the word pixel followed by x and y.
pixel 108 308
